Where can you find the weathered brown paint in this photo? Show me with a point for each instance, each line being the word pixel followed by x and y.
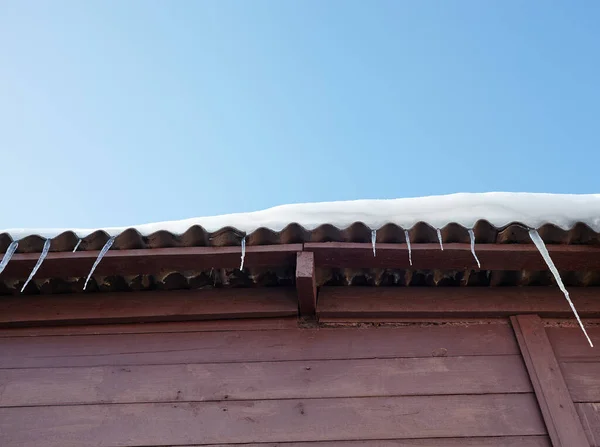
pixel 453 302
pixel 149 261
pixel 246 346
pixel 272 421
pixel 500 441
pixel 560 416
pixel 152 306
pixel 265 380
pixel 590 417
pixel 454 256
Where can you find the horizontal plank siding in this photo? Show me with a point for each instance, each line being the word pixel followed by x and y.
pixel 251 346
pixel 271 421
pixel 570 345
pixel 453 302
pixel 583 380
pixel 590 418
pixel 178 305
pixel 500 441
pixel 556 405
pixel 268 380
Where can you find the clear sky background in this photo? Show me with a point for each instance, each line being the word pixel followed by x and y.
pixel 126 112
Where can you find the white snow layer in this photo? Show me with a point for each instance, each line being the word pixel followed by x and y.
pixel 500 209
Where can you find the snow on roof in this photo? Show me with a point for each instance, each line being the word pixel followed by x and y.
pixel 498 208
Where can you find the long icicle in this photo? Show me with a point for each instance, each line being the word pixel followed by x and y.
pixel 407 237
pixel 45 251
pixel 439 233
pixel 472 236
pixel 539 243
pixel 106 247
pixel 77 245
pixel 9 254
pixel 243 253
pixel 373 240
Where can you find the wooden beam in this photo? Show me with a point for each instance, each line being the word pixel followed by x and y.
pixel 306 284
pixel 149 261
pixel 454 256
pixel 181 305
pixel 453 302
pixel 562 421
pixel 245 324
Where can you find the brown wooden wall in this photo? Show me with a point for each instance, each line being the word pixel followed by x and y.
pixel 580 366
pixel 219 383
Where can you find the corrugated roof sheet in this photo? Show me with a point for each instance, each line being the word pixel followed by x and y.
pixel 577 232
pixel 196 236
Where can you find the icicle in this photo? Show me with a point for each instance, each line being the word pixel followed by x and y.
pixel 99 258
pixel 539 243
pixel 373 240
pixel 407 237
pixel 77 246
pixel 9 254
pixel 439 233
pixel 38 263
pixel 243 253
pixel 472 235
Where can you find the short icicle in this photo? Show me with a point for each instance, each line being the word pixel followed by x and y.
pixel 439 233
pixel 407 237
pixel 373 240
pixel 472 236
pixel 77 246
pixel 243 253
pixel 9 254
pixel 539 243
pixel 45 251
pixel 99 258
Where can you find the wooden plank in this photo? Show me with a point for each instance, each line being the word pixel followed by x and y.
pixel 253 324
pixel 252 346
pixel 590 418
pixel 272 421
pixel 454 256
pixel 180 305
pixel 453 302
pixel 306 283
pixel 500 441
pixel 570 344
pixel 264 380
pixel 564 426
pixel 150 261
pixel 583 381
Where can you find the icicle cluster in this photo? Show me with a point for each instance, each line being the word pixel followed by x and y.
pixel 43 255
pixel 539 243
pixel 99 258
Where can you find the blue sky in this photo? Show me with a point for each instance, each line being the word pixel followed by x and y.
pixel 118 113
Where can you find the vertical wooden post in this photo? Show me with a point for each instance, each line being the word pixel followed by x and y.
pixel 306 285
pixel 560 416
